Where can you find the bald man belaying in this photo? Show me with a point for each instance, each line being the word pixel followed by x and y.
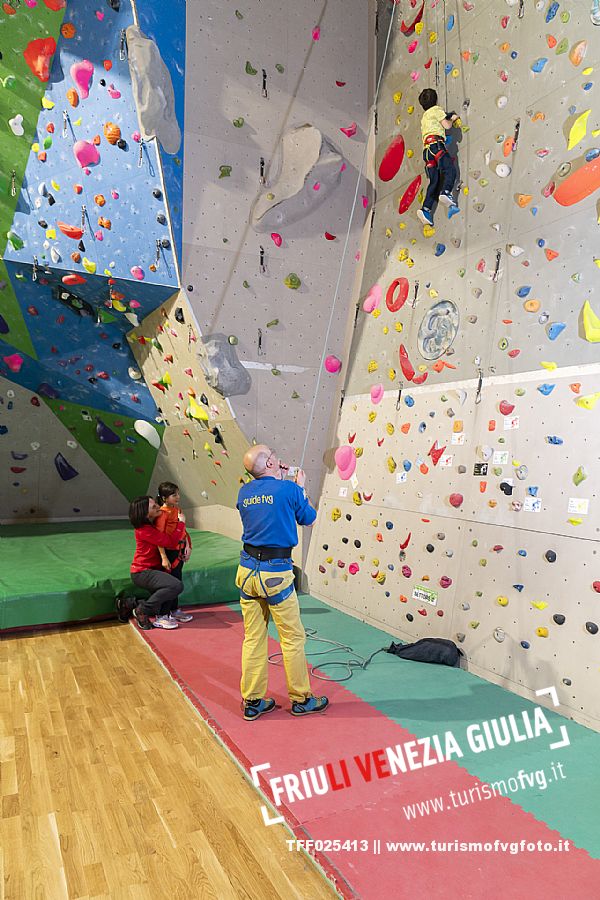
pixel 271 507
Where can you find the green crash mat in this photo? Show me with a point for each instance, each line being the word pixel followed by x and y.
pixel 72 572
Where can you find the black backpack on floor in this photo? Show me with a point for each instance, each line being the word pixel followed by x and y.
pixel 429 650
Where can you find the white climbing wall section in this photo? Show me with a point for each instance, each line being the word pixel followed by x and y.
pixel 255 76
pixel 473 378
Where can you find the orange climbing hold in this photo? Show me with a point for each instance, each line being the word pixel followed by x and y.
pixel 550 254
pixel 70 231
pixel 575 387
pixel 68 30
pixel 73 278
pixel 524 199
pixel 532 306
pixel 107 65
pixel 551 41
pixel 38 55
pixel 509 146
pixel 580 184
pixel 73 97
pixel 112 133
pixel 99 199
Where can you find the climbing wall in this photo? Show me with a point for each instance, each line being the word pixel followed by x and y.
pixel 464 502
pixel 90 168
pixel 261 261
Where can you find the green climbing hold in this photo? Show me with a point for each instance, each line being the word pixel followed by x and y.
pixel 224 171
pixel 474 543
pixel 564 17
pixel 47 142
pixel 238 123
pixel 250 70
pixel 479 593
pixel 238 14
pixel 292 281
pixel 105 317
pixel 16 242
pixel 562 46
pixel 295 395
pixel 270 196
pixel 275 372
pixel 232 340
pixel 245 284
pixel 279 68
pixel 461 272
pixel 520 392
pixel 272 323
pixel 8 82
pixel 579 476
pixel 497 470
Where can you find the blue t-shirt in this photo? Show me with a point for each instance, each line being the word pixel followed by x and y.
pixel 270 509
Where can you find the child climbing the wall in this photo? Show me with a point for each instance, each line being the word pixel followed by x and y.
pixel 172 560
pixel 439 165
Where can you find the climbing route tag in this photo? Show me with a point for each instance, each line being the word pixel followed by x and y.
pixel 424 595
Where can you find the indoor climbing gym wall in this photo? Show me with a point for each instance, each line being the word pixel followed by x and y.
pixel 274 147
pixel 92 143
pixel 463 501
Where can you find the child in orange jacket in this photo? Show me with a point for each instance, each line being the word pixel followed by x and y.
pixel 167 521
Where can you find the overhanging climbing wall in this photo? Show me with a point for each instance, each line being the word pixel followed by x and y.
pixel 255 76
pixel 474 374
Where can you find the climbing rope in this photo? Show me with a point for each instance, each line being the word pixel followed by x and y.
pixel 445 29
pixel 346 242
pixel 350 664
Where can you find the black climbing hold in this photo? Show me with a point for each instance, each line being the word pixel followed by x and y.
pixel 190 288
pixel 81 246
pixel 560 620
pixel 567 681
pixel 357 544
pixel 114 5
pixel 179 315
pixel 550 556
pixel 506 488
pixel 410 617
pixel 92 380
pixel 116 346
pixel 165 244
pixel 217 435
pixel 42 223
pixel 344 540
pixel 591 627
pixel 122 144
pixel 157 193
pixel 204 399
pixel 102 82
pixel 430 548
pixel 51 200
pixel 348 517
pixel 161 219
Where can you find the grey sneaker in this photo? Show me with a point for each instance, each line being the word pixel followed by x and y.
pixel 165 622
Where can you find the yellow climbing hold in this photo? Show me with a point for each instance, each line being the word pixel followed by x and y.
pixel 116 304
pixel 433 293
pixel 389 428
pixel 55 185
pixel 356 498
pixel 419 27
pixel 376 313
pixel 397 97
pixel 51 234
pixel 502 601
pixel 401 225
pixel 428 231
pixel 208 448
pixel 539 604
pixel 107 272
pixel 588 70
pixel 398 120
pixel 575 521
pixel 77 121
pixel 402 255
pixel 358 452
pixel 195 411
pixel 455 73
pixel 410 262
pixel 588 402
pixel 329 560
pixel 549 366
pixel 89 265
pixel 385 329
pixel 591 324
pixel 372 416
pixel 47 104
pixel 388 232
pixel 380 578
pixel 541 632
pixel 433 37
pixel 374 523
pixel 399 326
pixel 392 374
pixel 578 129
pixel 410 153
pixel 336 514
pixel 422 368
pixel 372 367
pixel 391 464
pixel 35 147
pixel 410 110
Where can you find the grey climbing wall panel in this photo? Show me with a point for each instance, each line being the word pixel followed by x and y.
pixel 504 468
pixel 221 252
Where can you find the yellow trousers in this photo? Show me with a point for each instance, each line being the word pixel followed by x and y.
pixel 257 612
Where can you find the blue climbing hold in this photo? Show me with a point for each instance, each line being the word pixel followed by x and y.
pixel 552 10
pixel 448 68
pixel 539 64
pixel 407 465
pixel 532 490
pixel 546 389
pixel 534 210
pixel 572 110
pixel 409 401
pixel 524 290
pixel 391 567
pixel 387 593
pixel 450 24
pixel 518 587
pixel 522 552
pixel 439 249
pixel 553 439
pixel 588 85
pixel 514 54
pixel 3 429
pixel 592 154
pixel 555 328
pixel 389 525
pixel 422 427
pixel 541 242
pixel 525 645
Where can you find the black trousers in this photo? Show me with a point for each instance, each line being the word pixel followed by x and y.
pixel 164 591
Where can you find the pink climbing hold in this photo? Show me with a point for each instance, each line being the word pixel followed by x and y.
pixel 277 239
pixel 353 568
pixel 413 46
pixel 135 304
pixel 14 362
pixel 345 460
pixel 350 131
pixel 316 33
pixel 86 154
pixel 114 93
pixel 377 393
pixel 137 272
pixel 373 298
pixel 81 73
pixel 456 500
pixel 114 195
pixel 136 136
pixel 445 581
pixel 332 364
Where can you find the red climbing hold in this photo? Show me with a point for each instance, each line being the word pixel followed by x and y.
pixel 395 304
pixel 421 379
pixel 38 56
pixel 506 408
pixel 55 5
pixel 329 236
pixel 392 159
pixel 405 364
pixel 70 231
pixel 409 195
pixel 408 29
pixel 404 544
pixel 73 279
pixel 436 452
pixel 456 500
pixel 596 586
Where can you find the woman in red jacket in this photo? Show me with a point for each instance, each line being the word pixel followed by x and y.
pixel 146 568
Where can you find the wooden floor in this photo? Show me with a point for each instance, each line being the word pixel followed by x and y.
pixel 112 786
